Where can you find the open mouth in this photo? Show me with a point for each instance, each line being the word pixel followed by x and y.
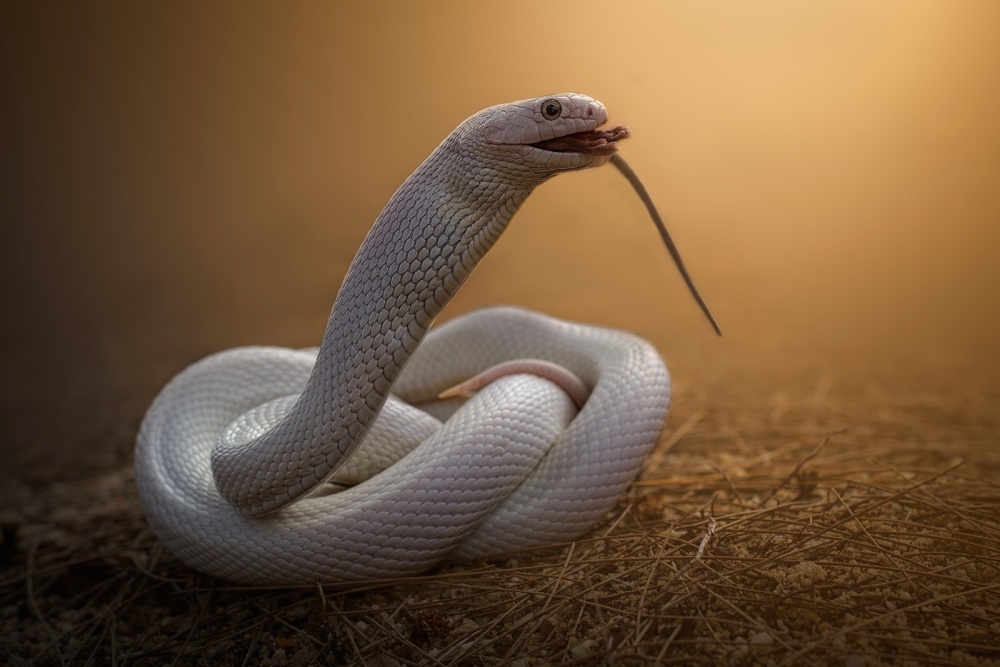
pixel 591 142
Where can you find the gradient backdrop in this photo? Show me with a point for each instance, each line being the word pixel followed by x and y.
pixel 185 177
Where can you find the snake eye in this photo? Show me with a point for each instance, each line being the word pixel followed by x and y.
pixel 551 109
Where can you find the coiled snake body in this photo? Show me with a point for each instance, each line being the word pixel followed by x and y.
pixel 234 457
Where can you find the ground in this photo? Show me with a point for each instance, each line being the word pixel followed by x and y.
pixel 825 524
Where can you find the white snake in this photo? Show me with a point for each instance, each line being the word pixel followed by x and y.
pixel 233 457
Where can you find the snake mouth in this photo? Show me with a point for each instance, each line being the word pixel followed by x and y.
pixel 589 142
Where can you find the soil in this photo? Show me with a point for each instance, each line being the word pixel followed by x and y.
pixel 814 525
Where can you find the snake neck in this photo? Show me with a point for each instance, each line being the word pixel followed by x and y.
pixel 425 243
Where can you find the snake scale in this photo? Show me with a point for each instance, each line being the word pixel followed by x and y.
pixel 265 465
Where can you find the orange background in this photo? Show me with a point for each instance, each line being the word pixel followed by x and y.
pixel 185 178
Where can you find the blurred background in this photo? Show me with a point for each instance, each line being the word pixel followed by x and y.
pixel 187 177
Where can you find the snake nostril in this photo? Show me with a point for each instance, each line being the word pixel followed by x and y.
pixel 590 111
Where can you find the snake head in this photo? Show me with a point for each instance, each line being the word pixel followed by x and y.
pixel 553 133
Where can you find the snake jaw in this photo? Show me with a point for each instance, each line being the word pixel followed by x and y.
pixel 588 142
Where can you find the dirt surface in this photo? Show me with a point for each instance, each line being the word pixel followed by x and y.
pixel 806 526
